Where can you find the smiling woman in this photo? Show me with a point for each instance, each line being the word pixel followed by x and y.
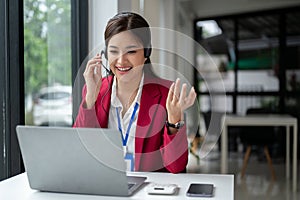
pixel 126 58
pixel 147 110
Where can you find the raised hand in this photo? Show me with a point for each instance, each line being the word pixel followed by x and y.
pixel 178 101
pixel 93 80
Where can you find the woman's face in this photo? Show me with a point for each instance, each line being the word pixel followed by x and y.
pixel 125 55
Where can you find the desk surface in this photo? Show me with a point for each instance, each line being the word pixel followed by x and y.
pixel 17 187
pixel 260 120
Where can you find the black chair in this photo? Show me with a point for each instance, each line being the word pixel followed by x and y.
pixel 260 136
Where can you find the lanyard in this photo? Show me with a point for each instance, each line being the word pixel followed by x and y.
pixel 129 125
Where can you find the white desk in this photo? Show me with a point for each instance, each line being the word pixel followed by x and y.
pixel 17 187
pixel 261 120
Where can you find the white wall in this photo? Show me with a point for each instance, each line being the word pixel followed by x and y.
pixel 100 11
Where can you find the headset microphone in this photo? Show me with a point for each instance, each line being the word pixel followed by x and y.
pixel 106 69
pixel 103 53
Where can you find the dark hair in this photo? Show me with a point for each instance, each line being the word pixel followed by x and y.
pixel 136 24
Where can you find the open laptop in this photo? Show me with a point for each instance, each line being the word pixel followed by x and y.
pixel 76 160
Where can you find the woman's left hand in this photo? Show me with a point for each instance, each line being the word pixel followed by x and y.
pixel 178 101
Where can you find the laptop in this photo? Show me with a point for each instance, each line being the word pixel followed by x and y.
pixel 76 160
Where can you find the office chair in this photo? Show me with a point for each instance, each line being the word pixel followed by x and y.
pixel 260 136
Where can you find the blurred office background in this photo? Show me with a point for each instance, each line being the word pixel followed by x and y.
pixel 239 55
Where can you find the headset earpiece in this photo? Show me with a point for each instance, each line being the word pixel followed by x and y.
pixel 147 52
pixel 104 52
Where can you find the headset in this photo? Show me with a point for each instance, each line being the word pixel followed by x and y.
pixel 147 49
pixel 108 71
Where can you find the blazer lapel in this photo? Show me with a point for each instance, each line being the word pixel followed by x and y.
pixel 104 104
pixel 150 103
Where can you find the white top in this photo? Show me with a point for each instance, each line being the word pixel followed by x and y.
pixel 18 188
pixel 125 120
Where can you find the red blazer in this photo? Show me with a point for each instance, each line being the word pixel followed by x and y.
pixel 155 149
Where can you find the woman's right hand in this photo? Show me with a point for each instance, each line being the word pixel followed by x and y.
pixel 93 80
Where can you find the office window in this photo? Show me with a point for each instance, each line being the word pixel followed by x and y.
pixel 37 34
pixel 214 79
pixel 258 41
pixel 293 52
pixel 209 28
pixel 47 62
pixel 257 55
pixel 293 63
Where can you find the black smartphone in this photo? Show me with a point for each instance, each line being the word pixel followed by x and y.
pixel 200 190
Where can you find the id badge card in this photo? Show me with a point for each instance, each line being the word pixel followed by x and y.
pixel 129 159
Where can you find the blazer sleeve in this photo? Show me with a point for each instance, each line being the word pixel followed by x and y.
pixel 86 117
pixel 173 147
pixel 174 150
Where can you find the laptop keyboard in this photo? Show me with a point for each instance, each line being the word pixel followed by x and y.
pixel 130 185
